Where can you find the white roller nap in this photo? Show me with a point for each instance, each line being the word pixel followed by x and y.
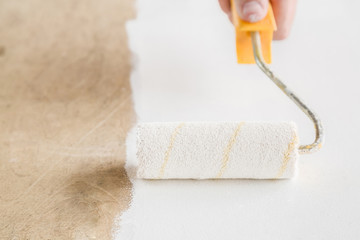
pixel 207 150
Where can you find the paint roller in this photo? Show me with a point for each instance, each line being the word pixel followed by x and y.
pixel 217 150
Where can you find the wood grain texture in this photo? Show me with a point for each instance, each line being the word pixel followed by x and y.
pixel 65 109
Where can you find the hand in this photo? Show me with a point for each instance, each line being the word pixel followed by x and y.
pixel 255 10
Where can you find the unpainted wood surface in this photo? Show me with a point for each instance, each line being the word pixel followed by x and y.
pixel 65 109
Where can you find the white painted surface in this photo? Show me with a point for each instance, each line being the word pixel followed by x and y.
pixel 186 70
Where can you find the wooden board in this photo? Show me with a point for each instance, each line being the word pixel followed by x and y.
pixel 65 109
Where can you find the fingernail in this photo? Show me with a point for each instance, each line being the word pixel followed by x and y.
pixel 252 11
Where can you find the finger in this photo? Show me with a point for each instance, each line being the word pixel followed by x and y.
pixel 284 11
pixel 252 10
pixel 225 6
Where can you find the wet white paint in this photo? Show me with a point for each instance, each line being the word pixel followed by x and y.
pixel 185 70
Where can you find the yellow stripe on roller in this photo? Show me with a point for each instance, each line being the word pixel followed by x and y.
pixel 286 158
pixel 228 148
pixel 170 147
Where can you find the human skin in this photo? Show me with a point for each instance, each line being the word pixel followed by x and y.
pixel 255 10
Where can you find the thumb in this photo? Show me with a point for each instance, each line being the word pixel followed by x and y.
pixel 252 10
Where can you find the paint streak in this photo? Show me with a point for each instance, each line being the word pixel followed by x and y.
pixel 170 147
pixel 228 148
pixel 287 154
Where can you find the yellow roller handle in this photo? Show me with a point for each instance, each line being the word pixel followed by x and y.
pixel 243 30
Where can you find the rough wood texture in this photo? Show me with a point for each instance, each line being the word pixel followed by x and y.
pixel 65 109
